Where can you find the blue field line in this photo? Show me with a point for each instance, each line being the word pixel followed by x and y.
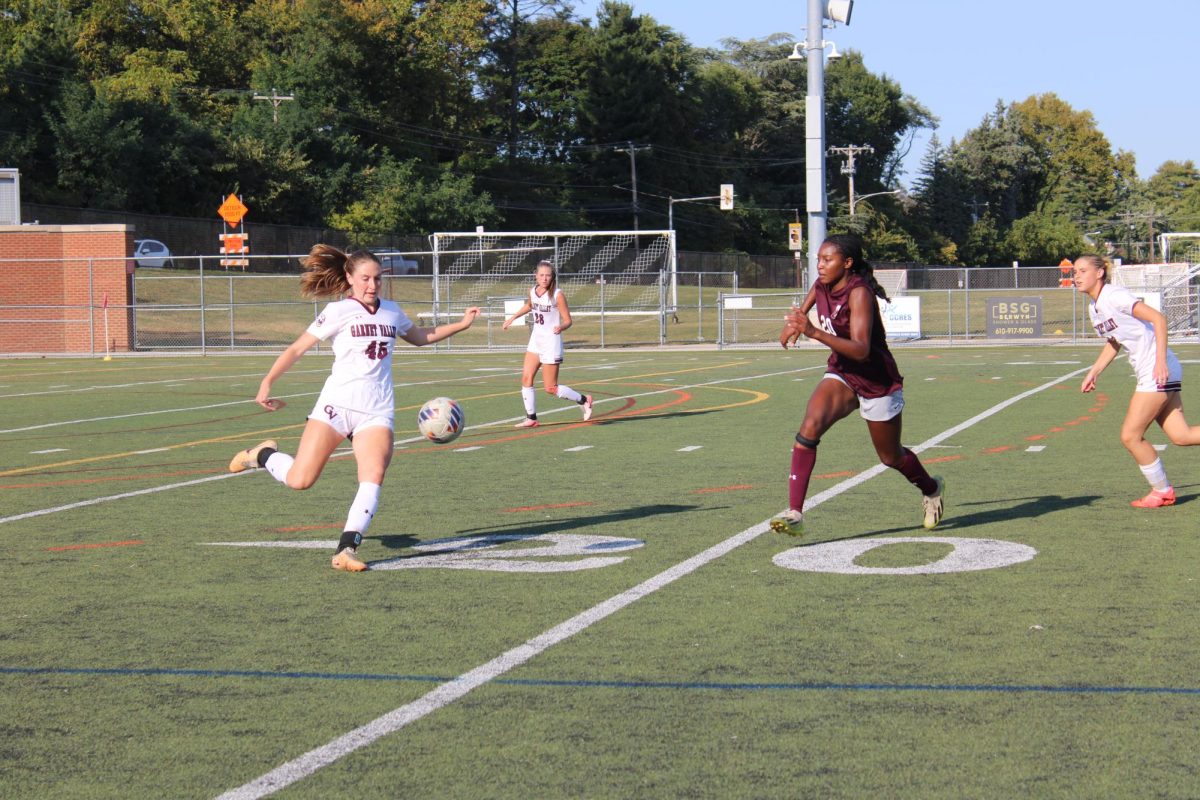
pixel 584 684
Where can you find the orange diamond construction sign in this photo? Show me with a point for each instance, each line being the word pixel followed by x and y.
pixel 232 211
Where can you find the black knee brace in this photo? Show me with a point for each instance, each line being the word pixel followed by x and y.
pixel 811 444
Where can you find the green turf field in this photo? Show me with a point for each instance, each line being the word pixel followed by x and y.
pixel 595 610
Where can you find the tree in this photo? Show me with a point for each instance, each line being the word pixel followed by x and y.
pixel 997 167
pixel 397 198
pixel 128 154
pixel 1175 192
pixel 1077 171
pixel 1043 238
pixel 942 211
pixel 862 108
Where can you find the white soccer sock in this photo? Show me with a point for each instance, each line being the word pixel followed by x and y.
pixel 567 393
pixel 529 398
pixel 362 510
pixel 1156 475
pixel 278 465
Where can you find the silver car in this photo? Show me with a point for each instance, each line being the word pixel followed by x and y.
pixel 151 253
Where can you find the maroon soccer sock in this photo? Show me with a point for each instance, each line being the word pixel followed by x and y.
pixel 912 469
pixel 803 461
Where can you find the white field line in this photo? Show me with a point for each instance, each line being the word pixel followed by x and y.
pixel 400 442
pixel 95 501
pixel 308 763
pixel 207 407
pixel 136 384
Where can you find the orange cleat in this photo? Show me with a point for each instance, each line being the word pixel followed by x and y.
pixel 348 561
pixel 248 459
pixel 1156 499
pixel 527 423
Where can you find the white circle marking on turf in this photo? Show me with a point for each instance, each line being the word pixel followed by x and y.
pixel 968 555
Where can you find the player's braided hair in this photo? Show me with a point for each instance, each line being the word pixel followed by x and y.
pixel 326 268
pixel 850 246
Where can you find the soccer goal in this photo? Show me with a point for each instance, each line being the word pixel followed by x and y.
pixel 1170 288
pixel 613 280
pixel 605 274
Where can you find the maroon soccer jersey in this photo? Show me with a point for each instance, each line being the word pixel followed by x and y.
pixel 878 376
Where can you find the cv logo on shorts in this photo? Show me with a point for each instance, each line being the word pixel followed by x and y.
pixel 330 412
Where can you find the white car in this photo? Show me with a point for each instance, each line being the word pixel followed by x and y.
pixel 399 265
pixel 151 253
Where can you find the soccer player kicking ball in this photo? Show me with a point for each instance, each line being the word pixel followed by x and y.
pixel 861 373
pixel 358 401
pixel 1125 321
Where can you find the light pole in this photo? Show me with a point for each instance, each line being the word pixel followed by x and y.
pixel 814 121
pixel 726 198
pixel 856 200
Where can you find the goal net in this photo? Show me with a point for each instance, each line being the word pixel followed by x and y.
pixel 1166 287
pixel 610 270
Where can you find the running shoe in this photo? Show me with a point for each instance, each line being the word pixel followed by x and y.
pixel 248 459
pixel 790 522
pixel 348 561
pixel 1156 499
pixel 527 423
pixel 587 407
pixel 932 504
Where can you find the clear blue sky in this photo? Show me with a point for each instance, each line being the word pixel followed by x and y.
pixel 1135 64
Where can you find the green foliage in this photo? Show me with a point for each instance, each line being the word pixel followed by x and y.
pixel 125 153
pixel 394 197
pixel 161 106
pixel 1175 191
pixel 1043 239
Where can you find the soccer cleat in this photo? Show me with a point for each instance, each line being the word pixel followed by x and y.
pixel 1156 499
pixel 790 522
pixel 932 503
pixel 248 459
pixel 348 561
pixel 527 423
pixel 587 407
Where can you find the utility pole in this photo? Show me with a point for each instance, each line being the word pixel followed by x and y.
pixel 848 168
pixel 633 150
pixel 276 99
pixel 975 206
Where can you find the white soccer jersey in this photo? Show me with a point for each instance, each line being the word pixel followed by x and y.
pixel 363 341
pixel 542 338
pixel 1112 317
pixel 545 311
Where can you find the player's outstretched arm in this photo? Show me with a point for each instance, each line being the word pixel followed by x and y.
pixel 423 336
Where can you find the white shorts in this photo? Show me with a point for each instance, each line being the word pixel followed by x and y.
pixel 1145 376
pixel 547 345
pixel 875 409
pixel 348 422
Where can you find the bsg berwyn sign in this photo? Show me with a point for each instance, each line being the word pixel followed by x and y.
pixel 1011 317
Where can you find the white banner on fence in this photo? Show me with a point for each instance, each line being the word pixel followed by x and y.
pixel 901 317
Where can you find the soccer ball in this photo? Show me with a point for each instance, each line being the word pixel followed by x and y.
pixel 441 420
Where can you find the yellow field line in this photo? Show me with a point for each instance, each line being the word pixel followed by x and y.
pixel 252 434
pixel 110 456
